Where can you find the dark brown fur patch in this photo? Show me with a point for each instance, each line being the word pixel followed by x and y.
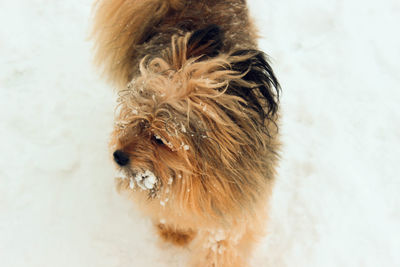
pixel 177 237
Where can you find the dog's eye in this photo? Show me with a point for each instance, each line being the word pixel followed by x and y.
pixel 157 139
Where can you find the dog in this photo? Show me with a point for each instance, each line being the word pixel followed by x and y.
pixel 196 129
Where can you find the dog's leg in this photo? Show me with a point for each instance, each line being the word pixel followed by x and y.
pixel 175 236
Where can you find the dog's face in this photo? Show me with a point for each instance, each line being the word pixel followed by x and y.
pixel 195 130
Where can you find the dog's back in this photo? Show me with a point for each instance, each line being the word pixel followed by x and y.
pixel 125 31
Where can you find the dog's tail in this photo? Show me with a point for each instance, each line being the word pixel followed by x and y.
pixel 119 27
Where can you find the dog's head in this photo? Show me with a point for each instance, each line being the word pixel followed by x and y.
pixel 197 127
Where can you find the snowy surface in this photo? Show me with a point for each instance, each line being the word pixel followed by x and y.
pixel 337 197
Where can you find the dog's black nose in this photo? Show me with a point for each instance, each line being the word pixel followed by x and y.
pixel 121 158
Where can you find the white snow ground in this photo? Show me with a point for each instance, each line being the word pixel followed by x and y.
pixel 336 202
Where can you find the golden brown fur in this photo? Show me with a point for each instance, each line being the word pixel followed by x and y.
pixel 198 109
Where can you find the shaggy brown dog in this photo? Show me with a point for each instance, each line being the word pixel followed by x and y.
pixel 196 128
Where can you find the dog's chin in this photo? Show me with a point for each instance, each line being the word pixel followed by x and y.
pixel 142 179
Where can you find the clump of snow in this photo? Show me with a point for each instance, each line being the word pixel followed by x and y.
pixel 184 146
pixel 183 128
pixel 169 144
pixel 146 180
pixel 170 180
pixel 164 202
pixel 215 238
pixel 132 184
pixel 219 235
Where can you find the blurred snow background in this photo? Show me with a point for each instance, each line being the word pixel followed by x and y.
pixel 336 202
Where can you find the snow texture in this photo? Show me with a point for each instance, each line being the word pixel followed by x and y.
pixel 337 195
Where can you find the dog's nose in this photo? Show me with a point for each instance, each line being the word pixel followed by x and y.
pixel 121 158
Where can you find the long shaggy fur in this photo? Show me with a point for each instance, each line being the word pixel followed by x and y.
pixel 198 107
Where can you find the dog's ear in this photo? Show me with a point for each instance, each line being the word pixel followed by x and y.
pixel 263 94
pixel 205 42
